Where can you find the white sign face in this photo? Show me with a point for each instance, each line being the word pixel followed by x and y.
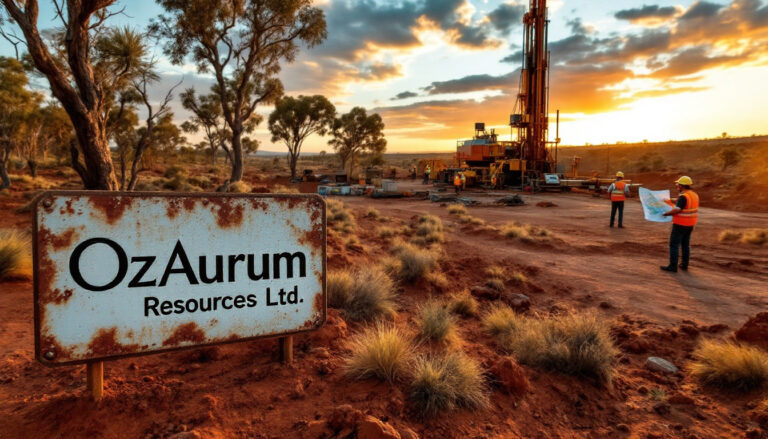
pixel 120 274
pixel 551 179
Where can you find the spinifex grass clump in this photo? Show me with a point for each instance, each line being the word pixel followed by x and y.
pixel 463 304
pixel 364 294
pixel 429 228
pixel 15 255
pixel 447 381
pixel 382 351
pixel 575 344
pixel 409 262
pixel 730 365
pixel 525 232
pixel 339 217
pixel 457 209
pixel 436 324
pixel 745 236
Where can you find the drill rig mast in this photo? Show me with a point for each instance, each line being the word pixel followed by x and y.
pixel 531 118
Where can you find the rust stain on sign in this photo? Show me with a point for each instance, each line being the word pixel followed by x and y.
pixel 145 273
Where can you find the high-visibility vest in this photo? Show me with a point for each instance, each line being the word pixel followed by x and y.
pixel 690 215
pixel 618 191
pixel 463 178
pixel 457 181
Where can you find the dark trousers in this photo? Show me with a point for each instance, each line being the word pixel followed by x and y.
pixel 681 236
pixel 617 206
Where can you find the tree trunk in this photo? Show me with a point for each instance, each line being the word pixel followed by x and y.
pixel 122 169
pixel 237 153
pixel 32 164
pixel 5 180
pixel 140 148
pixel 292 159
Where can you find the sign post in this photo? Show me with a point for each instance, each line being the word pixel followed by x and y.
pixel 126 274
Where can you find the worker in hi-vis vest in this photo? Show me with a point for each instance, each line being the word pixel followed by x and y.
pixel 618 190
pixel 685 215
pixel 457 182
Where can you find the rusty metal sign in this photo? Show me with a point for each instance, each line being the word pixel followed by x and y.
pixel 123 274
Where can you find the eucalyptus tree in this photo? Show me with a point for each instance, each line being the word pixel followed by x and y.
pixel 83 69
pixel 295 119
pixel 241 42
pixel 356 132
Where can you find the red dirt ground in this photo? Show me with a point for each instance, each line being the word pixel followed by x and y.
pixel 241 390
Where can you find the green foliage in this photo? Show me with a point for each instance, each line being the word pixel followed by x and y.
pixel 295 119
pixel 356 132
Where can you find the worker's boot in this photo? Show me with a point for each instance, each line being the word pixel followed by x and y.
pixel 670 268
pixel 684 267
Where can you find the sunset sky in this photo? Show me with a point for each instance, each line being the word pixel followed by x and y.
pixel 622 70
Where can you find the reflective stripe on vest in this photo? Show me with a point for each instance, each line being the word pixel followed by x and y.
pixel 457 181
pixel 618 191
pixel 690 215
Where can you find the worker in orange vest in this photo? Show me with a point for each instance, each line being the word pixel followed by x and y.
pixel 685 215
pixel 457 182
pixel 618 190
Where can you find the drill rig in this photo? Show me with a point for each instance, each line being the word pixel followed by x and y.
pixel 531 116
pixel 526 159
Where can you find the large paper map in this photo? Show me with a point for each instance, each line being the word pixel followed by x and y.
pixel 654 205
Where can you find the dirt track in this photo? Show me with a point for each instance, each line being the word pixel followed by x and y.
pixel 726 283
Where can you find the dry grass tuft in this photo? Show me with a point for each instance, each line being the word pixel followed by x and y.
pixel 730 365
pixel 372 213
pixel 525 232
pixel 438 279
pixel 745 236
pixel 445 382
pixel 283 189
pixel 387 232
pixel 436 324
pixel 501 322
pixel 381 351
pixel 15 255
pixel 369 295
pixel 410 263
pixel 519 278
pixel 495 283
pixel 340 218
pixel 457 209
pixel 463 304
pixel 496 272
pixel 38 182
pixel 430 229
pixel 469 219
pixel 338 286
pixel 576 344
pixel 239 187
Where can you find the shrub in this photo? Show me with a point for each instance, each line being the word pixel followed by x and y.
pixel 457 209
pixel 445 382
pixel 369 296
pixel 282 189
pixel 435 323
pixel 519 277
pixel 201 181
pixel 463 304
pixel 438 279
pixel 15 255
pixel 35 182
pixel 338 286
pixel 575 344
pixel 175 171
pixel 730 365
pixel 381 351
pixel 411 263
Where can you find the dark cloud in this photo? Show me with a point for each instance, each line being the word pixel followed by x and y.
pixel 404 95
pixel 694 60
pixel 646 12
pixel 701 9
pixel 506 17
pixel 379 71
pixel 474 83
